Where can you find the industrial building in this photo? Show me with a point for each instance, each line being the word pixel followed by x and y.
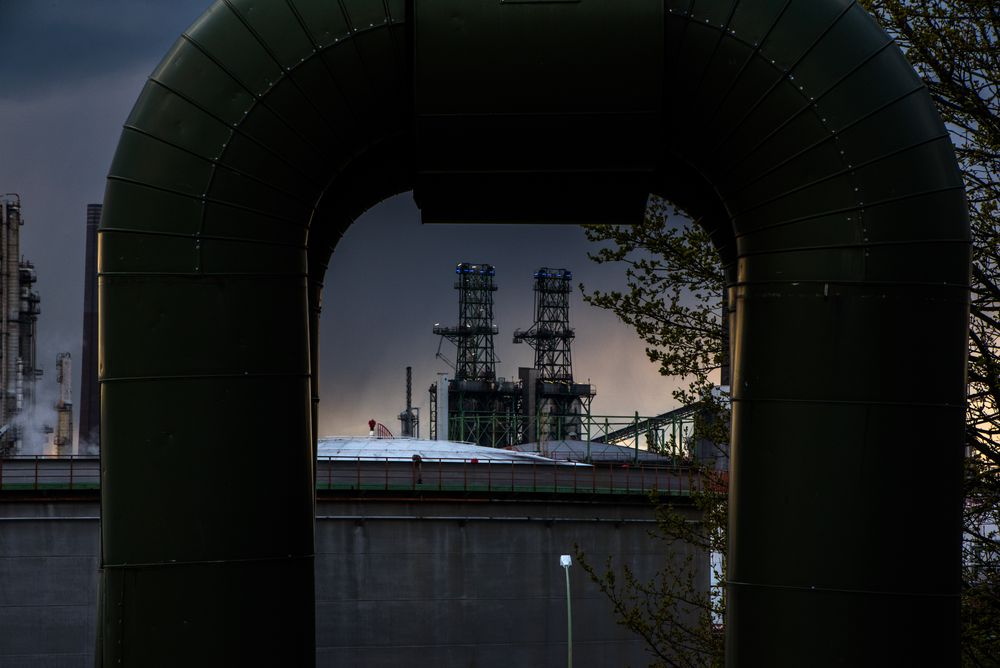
pixel 465 408
pixel 544 403
pixel 429 553
pixel 553 401
pixel 19 309
pixel 545 410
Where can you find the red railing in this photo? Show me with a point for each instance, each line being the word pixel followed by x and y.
pixel 498 475
pixel 395 474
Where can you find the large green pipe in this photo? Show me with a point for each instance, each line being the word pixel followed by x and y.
pixel 206 242
pixel 852 238
pixel 793 129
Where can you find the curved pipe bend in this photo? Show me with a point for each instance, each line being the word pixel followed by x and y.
pixel 795 129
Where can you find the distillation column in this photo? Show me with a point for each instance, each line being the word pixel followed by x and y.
pixel 64 407
pixel 9 330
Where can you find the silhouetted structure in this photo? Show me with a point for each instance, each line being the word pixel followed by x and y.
pixel 19 309
pixel 473 335
pixel 63 438
pixel 409 419
pixel 553 402
pixel 90 392
pixel 475 396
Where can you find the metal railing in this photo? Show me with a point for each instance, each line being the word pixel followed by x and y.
pixel 366 474
pixel 668 434
pixel 497 475
pixel 42 472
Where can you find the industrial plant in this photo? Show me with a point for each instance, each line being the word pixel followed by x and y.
pixel 544 410
pixel 25 424
pixel 216 530
pixel 19 309
pixel 521 450
pixel 543 403
pixel 528 442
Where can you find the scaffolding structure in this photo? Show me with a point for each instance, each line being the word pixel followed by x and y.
pixel 432 412
pixel 554 402
pixel 19 310
pixel 29 309
pixel 475 391
pixel 473 335
pixel 551 335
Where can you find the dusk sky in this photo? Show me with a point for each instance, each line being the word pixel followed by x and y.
pixel 69 74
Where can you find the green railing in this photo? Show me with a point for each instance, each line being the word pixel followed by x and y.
pixel 670 434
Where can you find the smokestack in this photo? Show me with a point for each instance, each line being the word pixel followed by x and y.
pixel 64 407
pixel 409 389
pixel 407 420
pixel 90 393
pixel 442 407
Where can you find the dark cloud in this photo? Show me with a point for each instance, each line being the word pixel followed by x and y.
pixel 71 71
pixel 48 43
pixel 391 279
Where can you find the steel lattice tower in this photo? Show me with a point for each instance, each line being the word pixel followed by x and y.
pixel 473 335
pixel 551 334
pixel 480 408
pixel 555 407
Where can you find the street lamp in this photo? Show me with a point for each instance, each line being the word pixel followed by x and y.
pixel 566 561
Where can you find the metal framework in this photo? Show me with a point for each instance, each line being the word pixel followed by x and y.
pixel 473 335
pixel 488 416
pixel 409 418
pixel 551 335
pixel 669 428
pixel 560 401
pixel 432 412
pixel 19 306
pixel 475 390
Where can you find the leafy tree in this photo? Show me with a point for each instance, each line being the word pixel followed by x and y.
pixel 674 612
pixel 675 289
pixel 674 302
pixel 674 299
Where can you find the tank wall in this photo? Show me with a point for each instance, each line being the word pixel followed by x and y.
pixel 472 583
pixel 455 583
pixel 48 584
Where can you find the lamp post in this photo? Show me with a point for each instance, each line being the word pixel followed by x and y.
pixel 566 561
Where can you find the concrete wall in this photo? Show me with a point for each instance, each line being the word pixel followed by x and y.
pixel 49 556
pixel 399 582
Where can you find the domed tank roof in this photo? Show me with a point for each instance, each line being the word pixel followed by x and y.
pixel 403 449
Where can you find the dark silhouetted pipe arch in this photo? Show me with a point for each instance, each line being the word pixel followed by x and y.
pixel 793 130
